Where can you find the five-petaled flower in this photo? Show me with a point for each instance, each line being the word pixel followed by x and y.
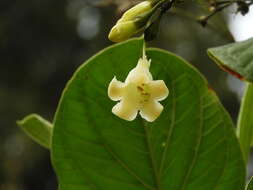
pixel 139 93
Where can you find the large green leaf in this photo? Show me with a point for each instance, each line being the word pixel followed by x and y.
pixel 235 58
pixel 191 146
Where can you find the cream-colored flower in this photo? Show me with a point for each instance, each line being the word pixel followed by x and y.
pixel 139 93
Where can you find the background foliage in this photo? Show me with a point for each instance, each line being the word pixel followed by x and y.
pixel 41 44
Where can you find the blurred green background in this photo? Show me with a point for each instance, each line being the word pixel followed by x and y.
pixel 42 42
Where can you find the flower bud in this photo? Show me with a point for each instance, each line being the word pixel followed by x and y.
pixel 136 11
pixel 132 21
pixel 123 30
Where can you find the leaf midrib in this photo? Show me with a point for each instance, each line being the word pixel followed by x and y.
pixel 152 158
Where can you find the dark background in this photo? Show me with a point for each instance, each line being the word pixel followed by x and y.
pixel 42 42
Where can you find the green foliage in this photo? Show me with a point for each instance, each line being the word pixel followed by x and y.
pixel 245 121
pixel 236 58
pixel 39 129
pixel 191 146
pixel 250 184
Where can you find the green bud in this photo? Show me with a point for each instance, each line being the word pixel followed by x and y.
pixel 123 30
pixel 132 21
pixel 136 11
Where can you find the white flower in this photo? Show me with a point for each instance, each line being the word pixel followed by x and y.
pixel 139 93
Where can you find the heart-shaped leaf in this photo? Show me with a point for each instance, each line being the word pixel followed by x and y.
pixel 191 145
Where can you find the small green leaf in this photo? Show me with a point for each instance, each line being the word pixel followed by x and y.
pixel 250 184
pixel 39 129
pixel 192 145
pixel 235 58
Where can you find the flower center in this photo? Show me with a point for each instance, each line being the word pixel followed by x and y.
pixel 144 93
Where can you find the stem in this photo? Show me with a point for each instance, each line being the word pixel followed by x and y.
pixel 245 121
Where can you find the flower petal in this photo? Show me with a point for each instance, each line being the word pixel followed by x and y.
pixel 151 110
pixel 158 89
pixel 140 74
pixel 115 89
pixel 125 110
